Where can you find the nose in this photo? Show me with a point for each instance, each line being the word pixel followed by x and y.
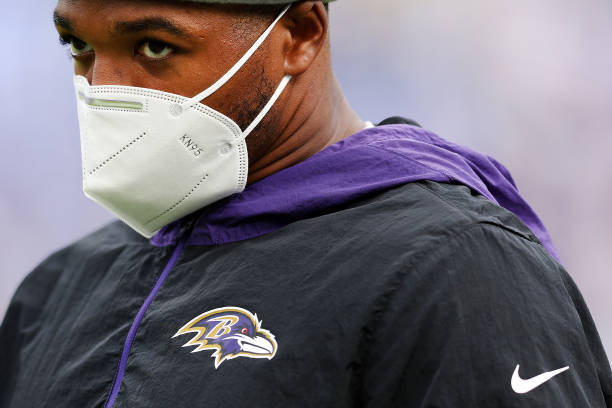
pixel 107 70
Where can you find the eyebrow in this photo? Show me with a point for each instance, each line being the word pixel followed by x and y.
pixel 61 21
pixel 149 24
pixel 131 27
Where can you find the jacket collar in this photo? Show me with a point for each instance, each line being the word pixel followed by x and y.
pixel 365 163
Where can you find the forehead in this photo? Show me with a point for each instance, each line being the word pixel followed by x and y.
pixel 105 8
pixel 194 18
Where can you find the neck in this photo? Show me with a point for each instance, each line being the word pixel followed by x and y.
pixel 318 121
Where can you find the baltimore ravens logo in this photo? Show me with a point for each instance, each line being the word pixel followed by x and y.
pixel 230 331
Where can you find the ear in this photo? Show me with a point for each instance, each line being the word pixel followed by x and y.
pixel 306 24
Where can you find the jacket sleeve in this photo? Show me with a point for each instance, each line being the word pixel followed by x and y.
pixel 461 319
pixel 23 320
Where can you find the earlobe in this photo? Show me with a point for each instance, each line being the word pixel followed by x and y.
pixel 306 24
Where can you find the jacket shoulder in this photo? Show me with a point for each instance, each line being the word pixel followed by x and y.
pixel 425 214
pixel 33 291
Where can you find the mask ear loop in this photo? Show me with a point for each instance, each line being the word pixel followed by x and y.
pixel 279 90
pixel 229 74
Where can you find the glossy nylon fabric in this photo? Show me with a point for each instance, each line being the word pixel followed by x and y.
pixel 379 301
pixel 365 163
pixel 427 294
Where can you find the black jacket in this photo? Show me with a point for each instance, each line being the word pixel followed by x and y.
pixel 425 295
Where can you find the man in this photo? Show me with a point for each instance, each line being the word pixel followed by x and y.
pixel 275 249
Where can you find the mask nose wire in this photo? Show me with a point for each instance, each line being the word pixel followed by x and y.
pixel 229 74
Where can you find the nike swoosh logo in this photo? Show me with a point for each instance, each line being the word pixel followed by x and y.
pixel 521 386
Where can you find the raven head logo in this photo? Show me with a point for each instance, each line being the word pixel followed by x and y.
pixel 230 331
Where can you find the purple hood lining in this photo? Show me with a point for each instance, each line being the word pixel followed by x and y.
pixel 365 163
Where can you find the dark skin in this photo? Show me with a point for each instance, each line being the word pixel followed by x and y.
pixel 184 47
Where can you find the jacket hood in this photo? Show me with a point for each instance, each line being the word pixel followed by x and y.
pixel 366 163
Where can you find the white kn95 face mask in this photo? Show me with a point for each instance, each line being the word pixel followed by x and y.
pixel 152 157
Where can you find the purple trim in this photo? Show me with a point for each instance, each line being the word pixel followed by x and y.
pixel 366 163
pixel 132 333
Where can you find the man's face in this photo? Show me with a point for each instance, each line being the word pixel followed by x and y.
pixel 173 46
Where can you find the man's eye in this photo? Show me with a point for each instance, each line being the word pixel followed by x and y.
pixel 155 49
pixel 79 47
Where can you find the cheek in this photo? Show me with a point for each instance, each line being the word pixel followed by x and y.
pixel 182 74
pixel 82 66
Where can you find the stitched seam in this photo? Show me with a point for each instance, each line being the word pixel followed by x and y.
pixel 194 188
pixel 454 237
pixel 379 307
pixel 398 280
pixel 112 383
pixel 136 323
pixel 499 223
pixel 117 153
pixel 445 200
pixel 415 134
pixel 403 156
pixel 382 302
pixel 241 177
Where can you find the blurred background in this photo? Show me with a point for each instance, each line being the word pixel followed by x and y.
pixel 529 83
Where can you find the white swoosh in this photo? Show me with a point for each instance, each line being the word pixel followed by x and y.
pixel 521 386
